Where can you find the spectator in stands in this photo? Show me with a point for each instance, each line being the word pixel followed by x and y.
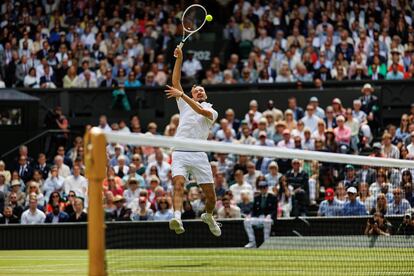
pixel 16 191
pixel 33 215
pixel 377 225
pixel 283 192
pixel 33 190
pixel 132 81
pixel 400 205
pixel 353 207
pixel 54 183
pixel 298 179
pixel 273 176
pixel 109 82
pixel 24 169
pixel 239 186
pixel 63 169
pixel 142 213
pixel 342 132
pixel 76 183
pixel 133 190
pixel 121 212
pixel 56 216
pixel 350 179
pixel 407 225
pixel 55 199
pixel 164 212
pixel 5 172
pixel 264 213
pixel 246 203
pixel 79 214
pixel 330 206
pixel 228 210
pixel 7 217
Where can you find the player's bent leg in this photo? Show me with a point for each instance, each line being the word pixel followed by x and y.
pixel 175 223
pixel 207 217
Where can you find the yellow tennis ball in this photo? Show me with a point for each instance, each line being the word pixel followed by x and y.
pixel 209 17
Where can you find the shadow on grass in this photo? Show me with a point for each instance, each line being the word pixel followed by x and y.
pixel 184 265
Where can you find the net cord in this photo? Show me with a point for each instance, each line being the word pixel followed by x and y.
pixel 253 150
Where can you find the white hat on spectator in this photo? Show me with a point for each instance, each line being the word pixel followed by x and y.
pixel 154 178
pixel 121 157
pixel 313 99
pixel 273 164
pixel 262 121
pixel 340 118
pixel 367 86
pixel 15 182
pixel 396 51
pixel 352 190
pixel 262 133
pixel 253 103
pixel 336 101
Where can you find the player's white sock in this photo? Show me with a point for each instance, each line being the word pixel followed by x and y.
pixel 177 214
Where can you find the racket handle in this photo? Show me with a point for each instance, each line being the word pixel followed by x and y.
pixel 179 46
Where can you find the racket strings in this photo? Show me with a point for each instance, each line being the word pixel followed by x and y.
pixel 193 19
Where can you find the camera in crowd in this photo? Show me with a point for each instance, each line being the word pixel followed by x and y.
pixel 407 225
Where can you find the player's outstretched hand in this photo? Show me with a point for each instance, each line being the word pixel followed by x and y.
pixel 178 52
pixel 173 92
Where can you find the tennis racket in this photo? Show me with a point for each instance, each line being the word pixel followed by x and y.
pixel 193 19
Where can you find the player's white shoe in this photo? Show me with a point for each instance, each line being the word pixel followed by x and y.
pixel 250 245
pixel 176 225
pixel 212 224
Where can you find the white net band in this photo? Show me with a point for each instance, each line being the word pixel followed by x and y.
pixel 253 150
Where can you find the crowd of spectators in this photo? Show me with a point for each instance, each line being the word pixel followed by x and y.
pixel 138 185
pixel 60 43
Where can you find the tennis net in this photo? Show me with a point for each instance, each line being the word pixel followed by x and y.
pixel 334 214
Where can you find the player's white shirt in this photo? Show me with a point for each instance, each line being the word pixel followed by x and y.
pixel 193 125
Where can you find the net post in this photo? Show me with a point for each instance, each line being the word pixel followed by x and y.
pixel 96 161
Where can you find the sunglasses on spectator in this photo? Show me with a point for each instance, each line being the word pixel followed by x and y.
pixel 55 196
pixel 135 159
pixel 71 195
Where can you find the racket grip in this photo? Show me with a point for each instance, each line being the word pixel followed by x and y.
pixel 179 46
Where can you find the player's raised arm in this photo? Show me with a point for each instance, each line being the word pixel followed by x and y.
pixel 173 92
pixel 176 76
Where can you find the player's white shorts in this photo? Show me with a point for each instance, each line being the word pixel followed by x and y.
pixel 196 163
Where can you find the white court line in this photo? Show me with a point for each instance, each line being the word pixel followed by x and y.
pixel 220 270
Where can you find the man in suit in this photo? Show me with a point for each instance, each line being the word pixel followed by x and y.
pixel 56 216
pixel 299 179
pixel 366 175
pixel 96 54
pixel 24 169
pixel 109 82
pixel 233 121
pixel 8 217
pixel 264 213
pixel 22 69
pixel 371 107
pixel 121 213
pixel 42 166
pixel 48 78
pixel 88 81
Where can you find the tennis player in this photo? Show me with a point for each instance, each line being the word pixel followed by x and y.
pixel 196 118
